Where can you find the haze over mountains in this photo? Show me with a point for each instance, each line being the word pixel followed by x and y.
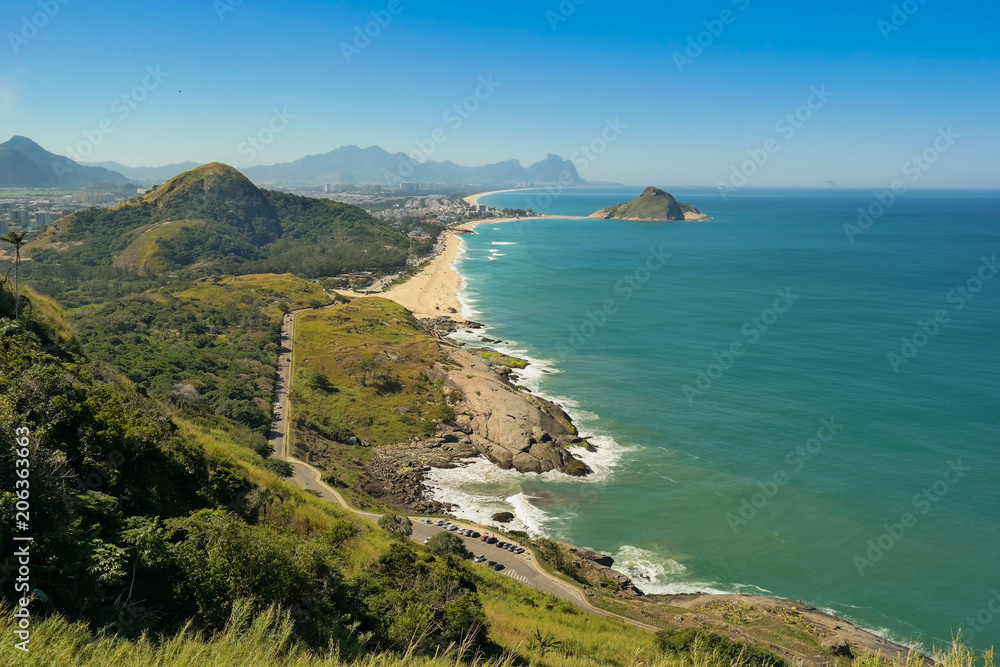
pixel 376 166
pixel 23 163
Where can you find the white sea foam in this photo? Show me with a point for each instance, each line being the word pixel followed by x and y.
pixel 480 489
pixel 528 515
pixel 657 574
pixel 503 243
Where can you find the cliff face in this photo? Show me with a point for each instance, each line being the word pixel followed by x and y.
pixel 511 428
pixel 653 205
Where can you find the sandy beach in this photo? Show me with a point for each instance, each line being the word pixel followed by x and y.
pixel 473 200
pixel 434 291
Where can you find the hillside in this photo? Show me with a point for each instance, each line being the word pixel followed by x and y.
pixel 653 205
pixel 146 521
pixel 25 164
pixel 207 221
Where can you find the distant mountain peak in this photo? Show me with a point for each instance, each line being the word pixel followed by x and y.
pixel 23 163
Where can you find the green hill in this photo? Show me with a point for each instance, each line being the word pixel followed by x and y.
pixel 653 205
pixel 209 221
pixel 150 526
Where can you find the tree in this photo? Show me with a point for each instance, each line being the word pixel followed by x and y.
pixel 17 240
pixel 447 544
pixel 395 523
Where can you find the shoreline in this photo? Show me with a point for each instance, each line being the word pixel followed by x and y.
pixel 433 293
pixel 473 200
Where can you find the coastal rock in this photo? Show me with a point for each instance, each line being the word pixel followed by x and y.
pixel 502 517
pixel 840 647
pixel 396 472
pixel 510 428
pixel 592 556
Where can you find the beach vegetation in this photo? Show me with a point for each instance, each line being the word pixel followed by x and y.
pixel 503 360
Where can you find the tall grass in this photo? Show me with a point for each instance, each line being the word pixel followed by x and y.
pixel 265 640
pixel 261 641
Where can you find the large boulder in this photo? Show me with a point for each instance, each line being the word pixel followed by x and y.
pixel 511 428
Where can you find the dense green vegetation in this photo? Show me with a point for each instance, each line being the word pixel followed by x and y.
pixel 209 349
pixel 141 523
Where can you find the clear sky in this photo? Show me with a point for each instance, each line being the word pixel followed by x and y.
pixel 559 72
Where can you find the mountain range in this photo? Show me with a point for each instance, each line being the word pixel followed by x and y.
pixel 25 164
pixel 376 166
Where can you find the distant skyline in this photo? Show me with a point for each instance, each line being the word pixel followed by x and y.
pixel 857 93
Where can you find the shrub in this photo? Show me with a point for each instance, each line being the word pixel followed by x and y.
pixel 448 544
pixel 396 524
pixel 725 650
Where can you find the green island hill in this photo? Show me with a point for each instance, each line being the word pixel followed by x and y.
pixel 653 205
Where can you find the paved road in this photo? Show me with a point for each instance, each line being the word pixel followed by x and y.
pixel 522 568
pixel 279 419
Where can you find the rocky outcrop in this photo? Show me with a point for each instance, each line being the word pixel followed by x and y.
pixel 595 570
pixel 840 647
pixel 442 326
pixel 511 428
pixel 592 556
pixel 502 517
pixel 397 471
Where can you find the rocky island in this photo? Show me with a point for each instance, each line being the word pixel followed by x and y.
pixel 653 205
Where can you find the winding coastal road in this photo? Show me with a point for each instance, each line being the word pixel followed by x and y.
pixel 523 568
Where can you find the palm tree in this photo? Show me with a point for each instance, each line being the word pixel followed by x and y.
pixel 17 240
pixel 543 642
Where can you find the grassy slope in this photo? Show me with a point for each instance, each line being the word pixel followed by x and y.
pixel 141 255
pixel 283 292
pixel 333 342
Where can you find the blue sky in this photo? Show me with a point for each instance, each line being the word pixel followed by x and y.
pixel 560 72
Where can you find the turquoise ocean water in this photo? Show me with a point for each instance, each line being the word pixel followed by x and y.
pixel 754 433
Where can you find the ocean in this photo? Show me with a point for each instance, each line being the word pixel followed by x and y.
pixel 786 400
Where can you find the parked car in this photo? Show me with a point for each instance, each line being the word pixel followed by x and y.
pixel 498 567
